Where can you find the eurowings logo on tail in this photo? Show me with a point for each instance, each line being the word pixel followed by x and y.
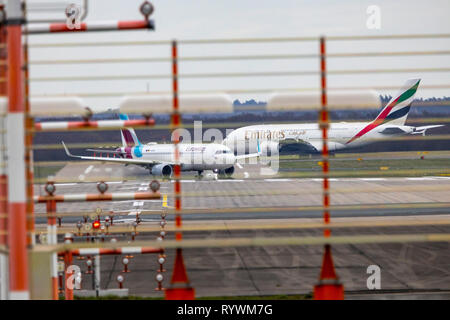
pixel 395 111
pixel 129 137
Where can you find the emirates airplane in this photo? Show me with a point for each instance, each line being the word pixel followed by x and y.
pixel 159 159
pixel 389 123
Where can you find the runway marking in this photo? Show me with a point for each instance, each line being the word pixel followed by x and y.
pixel 138 203
pixel 164 204
pixel 108 169
pixel 133 213
pixel 277 180
pixel 143 189
pixel 372 179
pixel 445 178
pixel 239 165
pixel 66 184
pixel 246 175
pixel 88 169
pixel 231 180
pixel 420 178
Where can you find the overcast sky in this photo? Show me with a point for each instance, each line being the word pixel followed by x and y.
pixel 199 19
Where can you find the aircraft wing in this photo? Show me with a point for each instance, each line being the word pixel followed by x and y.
pixel 421 130
pixel 251 155
pixel 104 151
pixel 246 156
pixel 116 160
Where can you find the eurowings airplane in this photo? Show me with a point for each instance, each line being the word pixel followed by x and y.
pixel 159 159
pixel 389 123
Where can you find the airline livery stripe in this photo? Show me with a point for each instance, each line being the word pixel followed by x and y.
pixel 384 114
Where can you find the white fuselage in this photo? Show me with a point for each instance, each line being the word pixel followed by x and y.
pixel 192 157
pixel 246 139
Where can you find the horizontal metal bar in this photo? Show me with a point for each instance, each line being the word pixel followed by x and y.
pixel 236 57
pixel 112 143
pixel 230 74
pixel 212 211
pixel 236 91
pixel 238 40
pixel 89 124
pixel 259 241
pixel 263 225
pixel 98 197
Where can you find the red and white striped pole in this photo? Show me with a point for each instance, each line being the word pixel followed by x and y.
pixel 328 287
pixel 102 124
pixel 53 240
pixel 81 197
pixel 31 239
pixel 15 128
pixel 113 251
pixel 180 288
pixel 90 26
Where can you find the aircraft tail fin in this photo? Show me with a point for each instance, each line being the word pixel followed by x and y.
pixel 129 137
pixel 397 109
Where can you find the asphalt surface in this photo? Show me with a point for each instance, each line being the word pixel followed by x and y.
pixel 408 270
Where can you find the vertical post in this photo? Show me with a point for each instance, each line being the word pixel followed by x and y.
pixel 97 274
pixel 68 288
pixel 179 284
pixel 15 124
pixel 3 176
pixel 328 287
pixel 324 123
pixel 29 125
pixel 52 240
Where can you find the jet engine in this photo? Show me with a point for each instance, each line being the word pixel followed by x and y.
pixel 162 170
pixel 228 172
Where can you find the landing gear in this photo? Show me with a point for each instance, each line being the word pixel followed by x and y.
pixel 225 173
pixel 200 174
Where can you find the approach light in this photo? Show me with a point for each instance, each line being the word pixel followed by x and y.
pixel 96 224
pixel 119 278
pixel 161 260
pixel 159 277
pixel 155 185
pixel 50 188
pixel 102 187
pixel 147 9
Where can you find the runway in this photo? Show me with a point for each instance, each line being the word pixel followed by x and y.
pixel 288 198
pixel 411 270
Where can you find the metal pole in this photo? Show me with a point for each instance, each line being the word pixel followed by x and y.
pixel 328 287
pixel 52 239
pixel 29 124
pixel 15 124
pixel 3 177
pixel 97 273
pixel 180 287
